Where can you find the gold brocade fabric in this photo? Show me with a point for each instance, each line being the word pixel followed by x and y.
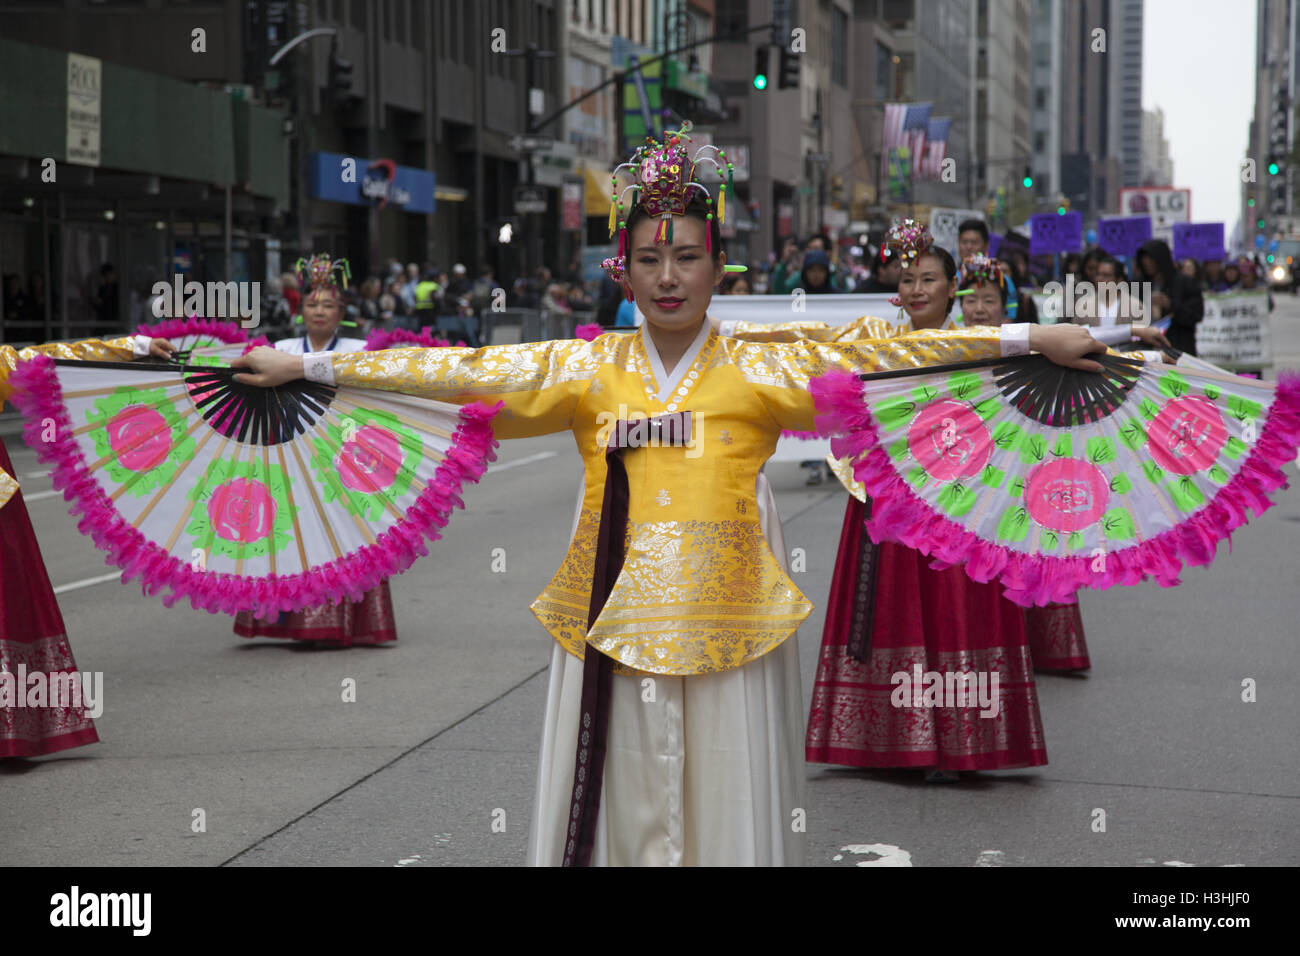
pixel 700 591
pixel 8 485
pixel 859 330
pixel 93 350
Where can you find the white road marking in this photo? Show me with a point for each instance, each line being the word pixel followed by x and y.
pixel 528 460
pixel 87 582
pixel 37 496
pixel 887 854
pixel 408 861
pixel 991 858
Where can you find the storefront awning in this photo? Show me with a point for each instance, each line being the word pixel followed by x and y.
pixel 597 191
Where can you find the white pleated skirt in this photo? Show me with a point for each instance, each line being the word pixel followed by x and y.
pixel 699 771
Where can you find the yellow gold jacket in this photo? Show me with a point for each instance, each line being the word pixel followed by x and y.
pixel 699 591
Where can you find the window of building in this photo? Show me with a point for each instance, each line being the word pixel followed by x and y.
pixel 884 64
pixel 1040 142
pixel 417 26
pixel 732 16
pixel 839 47
pixel 898 12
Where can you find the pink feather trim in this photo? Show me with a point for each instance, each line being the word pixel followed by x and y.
pixel 381 339
pixel 899 514
pixel 229 332
pixel 38 395
pixel 588 331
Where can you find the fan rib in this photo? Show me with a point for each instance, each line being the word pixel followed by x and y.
pixel 293 508
pixel 189 507
pixel 320 509
pixel 207 436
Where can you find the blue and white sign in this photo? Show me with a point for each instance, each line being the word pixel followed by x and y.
pixel 371 182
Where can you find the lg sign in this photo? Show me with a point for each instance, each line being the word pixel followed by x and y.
pixel 1165 205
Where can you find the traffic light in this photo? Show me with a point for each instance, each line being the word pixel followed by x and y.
pixel 1062 205
pixel 787 78
pixel 1269 257
pixel 1273 168
pixel 1250 203
pixel 760 68
pixel 1028 181
pixel 1259 223
pixel 340 72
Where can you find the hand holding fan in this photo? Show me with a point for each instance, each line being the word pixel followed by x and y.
pixel 1052 479
pixel 248 498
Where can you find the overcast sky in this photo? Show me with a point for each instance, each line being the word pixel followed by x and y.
pixel 1198 65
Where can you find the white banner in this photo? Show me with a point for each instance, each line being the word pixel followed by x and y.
pixel 775 309
pixel 1165 205
pixel 85 75
pixel 1235 330
pixel 944 222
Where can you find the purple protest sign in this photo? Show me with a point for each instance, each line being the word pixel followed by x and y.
pixel 1121 236
pixel 1053 232
pixel 1198 240
pixel 995 242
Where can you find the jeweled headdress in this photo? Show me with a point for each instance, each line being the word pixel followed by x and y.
pixel 663 179
pixel 317 273
pixel 980 268
pixel 908 239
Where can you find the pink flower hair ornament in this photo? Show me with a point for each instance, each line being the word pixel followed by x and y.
pixel 908 240
pixel 663 179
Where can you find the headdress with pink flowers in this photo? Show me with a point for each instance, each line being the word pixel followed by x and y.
pixel 663 183
pixel 908 240
pixel 318 273
pixel 981 269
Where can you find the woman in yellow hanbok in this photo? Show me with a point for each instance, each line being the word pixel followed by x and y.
pixel 673 721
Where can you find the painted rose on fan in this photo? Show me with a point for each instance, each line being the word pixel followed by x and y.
pixel 370 460
pixel 1067 494
pixel 949 440
pixel 140 438
pixel 1187 435
pixel 241 510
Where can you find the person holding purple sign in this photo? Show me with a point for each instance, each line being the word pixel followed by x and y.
pixel 1175 296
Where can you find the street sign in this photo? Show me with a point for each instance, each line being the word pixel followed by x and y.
pixel 530 199
pixel 531 144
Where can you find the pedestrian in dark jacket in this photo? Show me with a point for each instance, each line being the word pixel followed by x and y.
pixel 1174 295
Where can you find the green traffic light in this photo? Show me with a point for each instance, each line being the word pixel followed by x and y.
pixel 760 82
pixel 1060 210
pixel 1259 223
pixel 1272 169
pixel 1250 203
pixel 1270 257
pixel 1027 182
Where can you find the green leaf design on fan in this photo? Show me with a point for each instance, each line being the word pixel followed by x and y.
pixel 992 476
pixel 1006 435
pixel 1155 474
pixel 1050 540
pixel 956 499
pixel 917 477
pixel 1121 484
pixel 1014 525
pixel 276 483
pixel 898 450
pixel 1218 475
pixel 369 505
pixel 988 408
pixel 1173 385
pixel 1133 434
pixel 1063 446
pixel 924 393
pixel 1075 541
pixel 1243 408
pixel 1211 391
pixel 1186 495
pixel 893 413
pixel 213 360
pixel 1017 487
pixel 140 483
pixel 1149 409
pixel 1100 450
pixel 963 385
pixel 1033 449
pixel 1117 524
pixel 1235 447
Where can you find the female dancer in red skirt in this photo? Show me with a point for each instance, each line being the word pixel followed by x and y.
pixel 347 623
pixel 891 619
pixel 33 640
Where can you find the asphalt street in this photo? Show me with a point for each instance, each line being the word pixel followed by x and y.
pixel 434 763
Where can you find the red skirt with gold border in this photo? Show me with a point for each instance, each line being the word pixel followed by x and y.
pixel 347 624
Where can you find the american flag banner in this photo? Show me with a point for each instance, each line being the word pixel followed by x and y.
pixel 936 146
pixel 915 125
